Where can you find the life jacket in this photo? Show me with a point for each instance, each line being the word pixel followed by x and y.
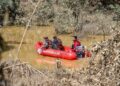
pixel 48 43
pixel 60 47
pixel 80 48
pixel 76 43
pixel 55 42
pixel 60 44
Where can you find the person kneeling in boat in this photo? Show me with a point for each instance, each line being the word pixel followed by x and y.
pixel 47 43
pixel 80 51
pixel 57 43
pixel 76 43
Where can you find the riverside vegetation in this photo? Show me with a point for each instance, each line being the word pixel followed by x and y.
pixel 84 18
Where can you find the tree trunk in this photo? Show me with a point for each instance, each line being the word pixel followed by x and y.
pixel 6 18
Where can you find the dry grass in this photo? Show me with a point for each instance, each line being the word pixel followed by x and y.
pixel 13 35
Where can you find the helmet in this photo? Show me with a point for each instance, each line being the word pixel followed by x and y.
pixel 45 37
pixel 75 37
pixel 54 37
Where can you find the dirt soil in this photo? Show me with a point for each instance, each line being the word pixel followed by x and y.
pixel 13 35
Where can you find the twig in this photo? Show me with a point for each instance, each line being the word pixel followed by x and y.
pixel 27 26
pixel 14 65
pixel 38 71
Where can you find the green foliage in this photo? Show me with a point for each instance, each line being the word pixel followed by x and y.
pixel 6 3
pixel 117 9
pixel 11 7
pixel 45 13
pixel 67 15
pixel 13 4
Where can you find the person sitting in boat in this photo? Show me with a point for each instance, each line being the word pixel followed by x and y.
pixel 47 43
pixel 57 43
pixel 60 45
pixel 76 43
pixel 80 51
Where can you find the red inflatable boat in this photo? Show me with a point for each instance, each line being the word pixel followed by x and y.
pixel 68 53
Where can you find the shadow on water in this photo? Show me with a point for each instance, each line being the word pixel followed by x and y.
pixel 14 42
pixel 7 48
pixel 51 62
pixel 4 46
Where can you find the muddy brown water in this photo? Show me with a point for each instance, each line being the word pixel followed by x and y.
pixel 13 35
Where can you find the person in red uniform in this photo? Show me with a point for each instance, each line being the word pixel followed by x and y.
pixel 76 43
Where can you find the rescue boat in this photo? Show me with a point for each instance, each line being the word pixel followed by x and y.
pixel 68 53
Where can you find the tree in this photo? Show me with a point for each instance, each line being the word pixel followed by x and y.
pixel 9 7
pixel 67 15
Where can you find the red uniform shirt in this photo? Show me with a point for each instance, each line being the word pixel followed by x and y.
pixel 76 43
